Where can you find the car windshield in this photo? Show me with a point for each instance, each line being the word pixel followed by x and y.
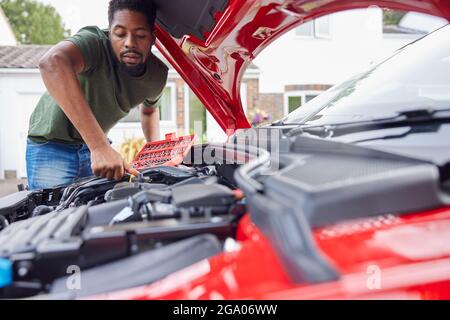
pixel 418 76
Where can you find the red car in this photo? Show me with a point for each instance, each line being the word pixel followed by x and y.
pixel 316 206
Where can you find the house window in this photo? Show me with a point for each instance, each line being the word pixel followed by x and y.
pixel 412 24
pixel 294 102
pixel 318 28
pixel 309 97
pixel 166 110
pixel 244 97
pixel 322 27
pixel 392 17
pixel 306 30
pixel 197 119
pixel 197 115
pixel 391 22
pixel 296 99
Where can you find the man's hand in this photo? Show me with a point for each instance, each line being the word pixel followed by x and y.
pixel 107 163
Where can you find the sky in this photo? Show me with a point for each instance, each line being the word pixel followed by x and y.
pixel 81 13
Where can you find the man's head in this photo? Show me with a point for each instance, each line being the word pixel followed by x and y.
pixel 131 24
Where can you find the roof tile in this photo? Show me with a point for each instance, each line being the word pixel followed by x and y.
pixel 21 57
pixel 27 56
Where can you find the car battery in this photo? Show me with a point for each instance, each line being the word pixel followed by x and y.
pixel 169 152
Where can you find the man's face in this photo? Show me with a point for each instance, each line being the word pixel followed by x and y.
pixel 131 40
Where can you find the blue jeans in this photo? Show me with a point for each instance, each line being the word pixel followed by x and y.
pixel 52 164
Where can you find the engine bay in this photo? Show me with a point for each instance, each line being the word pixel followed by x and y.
pixel 95 222
pixel 142 229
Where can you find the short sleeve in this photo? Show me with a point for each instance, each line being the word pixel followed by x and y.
pixel 153 103
pixel 155 100
pixel 89 41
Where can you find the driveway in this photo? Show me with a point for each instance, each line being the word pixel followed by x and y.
pixel 9 186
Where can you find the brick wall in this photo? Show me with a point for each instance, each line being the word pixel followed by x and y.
pixel 252 98
pixel 179 83
pixel 252 94
pixel 271 103
pixel 307 87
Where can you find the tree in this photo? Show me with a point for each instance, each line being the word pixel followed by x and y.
pixel 392 17
pixel 34 22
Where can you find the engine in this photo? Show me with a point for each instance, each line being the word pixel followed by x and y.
pixel 166 219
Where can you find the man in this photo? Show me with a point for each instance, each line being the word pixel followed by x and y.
pixel 93 80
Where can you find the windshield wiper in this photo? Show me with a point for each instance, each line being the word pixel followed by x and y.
pixel 402 119
pixel 434 127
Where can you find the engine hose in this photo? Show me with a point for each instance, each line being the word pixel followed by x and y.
pixel 139 200
pixel 40 211
pixel 3 223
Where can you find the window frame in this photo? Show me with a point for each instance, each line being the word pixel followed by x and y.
pixel 305 37
pixel 164 123
pixel 298 93
pixel 244 97
pixel 315 34
pixel 173 105
pixel 187 89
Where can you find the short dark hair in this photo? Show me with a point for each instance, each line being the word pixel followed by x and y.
pixel 144 6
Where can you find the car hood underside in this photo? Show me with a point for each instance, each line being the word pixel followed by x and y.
pixel 211 43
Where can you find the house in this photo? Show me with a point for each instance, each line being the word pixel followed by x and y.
pixel 312 58
pixel 324 52
pixel 21 88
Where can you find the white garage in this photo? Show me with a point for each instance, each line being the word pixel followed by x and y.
pixel 20 90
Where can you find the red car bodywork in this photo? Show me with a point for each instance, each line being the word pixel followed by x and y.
pixel 379 258
pixel 387 257
pixel 214 68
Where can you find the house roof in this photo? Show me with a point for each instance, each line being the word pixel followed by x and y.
pixel 21 57
pixel 27 56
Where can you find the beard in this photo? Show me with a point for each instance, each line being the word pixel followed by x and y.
pixel 134 70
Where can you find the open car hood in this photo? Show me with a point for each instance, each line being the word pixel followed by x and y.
pixel 212 42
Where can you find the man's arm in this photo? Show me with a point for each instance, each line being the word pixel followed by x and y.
pixel 150 123
pixel 59 68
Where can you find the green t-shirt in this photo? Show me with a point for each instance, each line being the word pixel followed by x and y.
pixel 109 91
